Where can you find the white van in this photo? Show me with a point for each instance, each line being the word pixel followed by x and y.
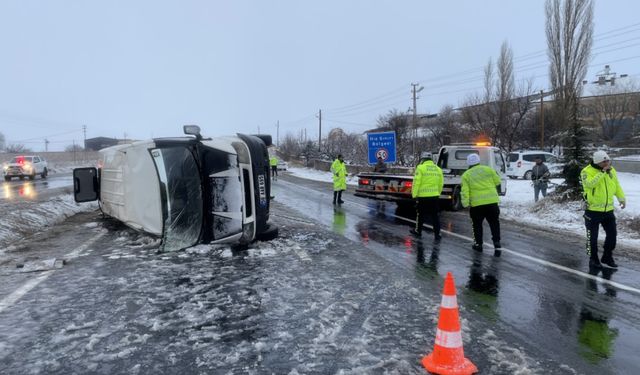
pixel 520 163
pixel 186 190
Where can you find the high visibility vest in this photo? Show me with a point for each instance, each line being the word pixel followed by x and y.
pixel 339 171
pixel 599 187
pixel 273 161
pixel 479 186
pixel 427 180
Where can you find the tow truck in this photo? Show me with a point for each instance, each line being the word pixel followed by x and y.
pixel 453 161
pixel 185 190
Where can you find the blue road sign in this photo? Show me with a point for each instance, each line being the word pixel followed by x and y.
pixel 382 145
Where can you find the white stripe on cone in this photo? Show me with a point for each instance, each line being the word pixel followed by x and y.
pixel 449 302
pixel 450 340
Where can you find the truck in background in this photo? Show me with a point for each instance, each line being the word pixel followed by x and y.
pixel 453 161
pixel 185 190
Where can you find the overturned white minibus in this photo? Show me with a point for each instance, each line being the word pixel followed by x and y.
pixel 186 190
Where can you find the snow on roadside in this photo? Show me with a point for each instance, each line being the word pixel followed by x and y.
pixel 316 175
pixel 59 167
pixel 20 219
pixel 518 205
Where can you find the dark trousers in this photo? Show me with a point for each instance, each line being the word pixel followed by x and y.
pixel 491 212
pixel 593 220
pixel 428 208
pixel 337 196
pixel 274 172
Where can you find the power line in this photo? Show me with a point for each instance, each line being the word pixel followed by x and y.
pixel 527 67
pixel 386 98
pixel 48 136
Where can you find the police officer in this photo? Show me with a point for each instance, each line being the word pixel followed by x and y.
pixel 427 186
pixel 480 187
pixel 273 162
pixel 600 183
pixel 339 170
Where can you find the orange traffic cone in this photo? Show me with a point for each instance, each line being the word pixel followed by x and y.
pixel 448 356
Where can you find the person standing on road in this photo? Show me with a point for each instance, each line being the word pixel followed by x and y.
pixel 339 170
pixel 600 183
pixel 273 162
pixel 426 189
pixel 380 166
pixel 480 187
pixel 540 178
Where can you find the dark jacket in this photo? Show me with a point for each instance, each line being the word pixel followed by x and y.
pixel 380 167
pixel 540 172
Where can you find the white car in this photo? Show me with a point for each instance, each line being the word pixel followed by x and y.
pixel 520 163
pixel 25 166
pixel 185 190
pixel 282 165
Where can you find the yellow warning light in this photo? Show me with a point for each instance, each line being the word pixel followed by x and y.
pixel 483 143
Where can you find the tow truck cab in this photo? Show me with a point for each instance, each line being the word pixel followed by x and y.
pixel 186 190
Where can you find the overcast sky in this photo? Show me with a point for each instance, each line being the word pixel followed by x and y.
pixel 145 68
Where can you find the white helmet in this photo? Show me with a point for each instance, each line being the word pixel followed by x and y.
pixel 473 159
pixel 600 156
pixel 426 155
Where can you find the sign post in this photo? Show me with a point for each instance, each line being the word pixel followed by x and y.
pixel 382 145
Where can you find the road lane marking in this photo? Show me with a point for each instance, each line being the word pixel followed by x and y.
pixel 513 252
pixel 12 298
pixel 20 292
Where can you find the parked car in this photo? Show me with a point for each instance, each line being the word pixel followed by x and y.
pixel 185 190
pixel 282 165
pixel 25 166
pixel 520 163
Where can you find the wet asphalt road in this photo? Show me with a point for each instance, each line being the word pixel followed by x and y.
pixel 342 291
pixel 18 190
pixel 537 303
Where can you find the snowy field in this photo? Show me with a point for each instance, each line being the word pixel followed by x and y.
pixel 518 205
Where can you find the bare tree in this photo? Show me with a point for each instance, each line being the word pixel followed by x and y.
pixel 442 129
pixel 569 31
pixel 73 148
pixel 500 113
pixel 612 106
pixel 2 142
pixel 16 148
pixel 290 146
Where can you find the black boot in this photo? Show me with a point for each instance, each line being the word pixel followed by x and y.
pixel 340 201
pixel 335 197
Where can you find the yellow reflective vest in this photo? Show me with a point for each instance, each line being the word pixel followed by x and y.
pixel 427 180
pixel 339 171
pixel 599 187
pixel 479 186
pixel 273 161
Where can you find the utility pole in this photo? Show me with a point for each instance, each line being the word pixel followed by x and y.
pixel 74 151
pixel 258 129
pixel 319 128
pixel 415 91
pixel 606 76
pixel 46 145
pixel 84 131
pixel 542 119
pixel 278 133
